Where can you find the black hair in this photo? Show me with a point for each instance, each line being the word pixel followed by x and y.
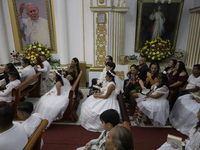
pixel 59 78
pixel 156 73
pixel 197 126
pixel 110 58
pixel 197 65
pixel 110 75
pixel 14 74
pixel 135 66
pixel 174 64
pixel 77 64
pixel 11 67
pixel 25 107
pixel 181 67
pixel 43 55
pixel 26 61
pixel 6 114
pixel 110 116
pixel 164 80
pixel 111 64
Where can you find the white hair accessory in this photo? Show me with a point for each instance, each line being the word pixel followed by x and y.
pixel 111 73
pixel 58 73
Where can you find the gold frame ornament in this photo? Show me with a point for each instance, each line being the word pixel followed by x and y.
pixel 150 13
pixel 16 27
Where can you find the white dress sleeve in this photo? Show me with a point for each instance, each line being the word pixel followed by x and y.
pixel 163 90
pixel 194 143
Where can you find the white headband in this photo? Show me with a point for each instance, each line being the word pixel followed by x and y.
pixel 111 73
pixel 58 73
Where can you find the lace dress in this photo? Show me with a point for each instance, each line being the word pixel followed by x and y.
pixel 92 108
pixel 155 109
pixel 51 106
pixel 183 115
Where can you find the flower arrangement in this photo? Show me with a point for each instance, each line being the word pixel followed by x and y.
pixel 179 54
pixel 34 50
pixel 157 50
pixel 16 58
pixel 132 57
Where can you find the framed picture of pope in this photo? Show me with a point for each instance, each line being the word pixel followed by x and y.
pixel 157 20
pixel 34 22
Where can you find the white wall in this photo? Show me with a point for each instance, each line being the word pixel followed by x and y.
pixel 196 3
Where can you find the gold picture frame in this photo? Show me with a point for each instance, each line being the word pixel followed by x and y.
pixel 170 15
pixel 46 9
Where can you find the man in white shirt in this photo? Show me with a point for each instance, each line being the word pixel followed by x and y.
pixel 28 71
pixel 46 69
pixel 34 28
pixel 12 135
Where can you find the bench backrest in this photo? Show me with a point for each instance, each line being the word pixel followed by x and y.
pixel 35 139
pixel 73 102
pixel 20 90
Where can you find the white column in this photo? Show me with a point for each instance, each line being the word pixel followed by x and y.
pixel 4 57
pixel 61 31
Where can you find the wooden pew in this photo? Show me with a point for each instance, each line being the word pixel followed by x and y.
pixel 70 113
pixel 35 139
pixel 20 91
pixel 124 113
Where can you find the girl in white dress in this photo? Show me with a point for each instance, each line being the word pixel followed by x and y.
pixel 154 105
pixel 99 102
pixel 53 104
pixel 192 143
pixel 183 115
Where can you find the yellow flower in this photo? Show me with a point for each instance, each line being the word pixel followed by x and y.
pixel 149 56
pixel 36 54
pixel 154 53
pixel 153 58
pixel 47 52
pixel 150 53
pixel 34 46
pixel 158 55
pixel 32 52
pixel 158 58
pixel 39 45
pixel 42 53
pixel 153 50
pixel 30 45
pixel 47 58
pixel 45 49
pixel 32 59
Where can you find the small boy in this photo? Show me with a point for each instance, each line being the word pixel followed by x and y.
pixel 32 121
pixel 109 119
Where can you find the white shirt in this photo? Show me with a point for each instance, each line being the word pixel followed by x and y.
pixel 46 69
pixel 28 72
pixel 6 96
pixel 14 138
pixel 35 31
pixel 102 75
pixel 31 124
pixel 193 82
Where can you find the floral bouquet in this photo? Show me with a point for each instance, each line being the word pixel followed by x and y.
pixel 179 54
pixel 16 58
pixel 157 50
pixel 34 50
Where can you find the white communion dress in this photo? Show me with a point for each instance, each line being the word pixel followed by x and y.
pixel 155 109
pixel 51 106
pixel 184 114
pixel 92 108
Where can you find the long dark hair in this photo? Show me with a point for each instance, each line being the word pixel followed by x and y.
pixel 11 67
pixel 39 61
pixel 164 80
pixel 77 64
pixel 174 64
pixel 197 126
pixel 157 72
pixel 181 67
pixel 110 75
pixel 58 77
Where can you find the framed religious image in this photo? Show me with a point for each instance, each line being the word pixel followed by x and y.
pixel 101 17
pixel 157 20
pixel 33 22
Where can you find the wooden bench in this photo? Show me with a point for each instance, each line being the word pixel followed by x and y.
pixel 35 139
pixel 20 91
pixel 70 113
pixel 123 110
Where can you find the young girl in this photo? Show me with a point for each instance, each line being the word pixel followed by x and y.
pixel 109 119
pixel 99 102
pixel 193 142
pixel 154 105
pixel 53 104
pixel 6 95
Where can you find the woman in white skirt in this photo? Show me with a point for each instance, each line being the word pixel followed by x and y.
pixel 183 114
pixel 154 105
pixel 99 102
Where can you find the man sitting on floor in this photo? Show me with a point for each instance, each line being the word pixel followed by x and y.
pixel 12 135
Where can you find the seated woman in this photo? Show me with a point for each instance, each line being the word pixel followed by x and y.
pixel 8 68
pixel 191 143
pixel 53 104
pixel 99 102
pixel 170 67
pixel 75 61
pixel 6 95
pixel 119 138
pixel 183 114
pixel 154 105
pixel 130 87
pixel 38 63
pixel 150 80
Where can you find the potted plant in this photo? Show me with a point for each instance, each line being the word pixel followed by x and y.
pixel 132 58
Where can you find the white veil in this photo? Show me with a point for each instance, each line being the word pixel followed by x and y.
pixel 65 81
pixel 118 82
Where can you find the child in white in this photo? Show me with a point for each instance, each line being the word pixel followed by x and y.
pixel 109 119
pixel 192 143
